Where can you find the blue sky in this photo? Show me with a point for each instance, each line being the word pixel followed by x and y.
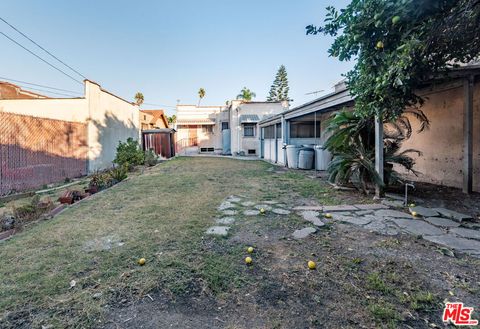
pixel 169 49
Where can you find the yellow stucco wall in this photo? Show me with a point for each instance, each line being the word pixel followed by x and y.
pixel 442 145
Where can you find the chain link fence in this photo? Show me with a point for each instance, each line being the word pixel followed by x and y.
pixel 36 151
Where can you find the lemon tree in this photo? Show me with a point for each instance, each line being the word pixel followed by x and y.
pixel 398 45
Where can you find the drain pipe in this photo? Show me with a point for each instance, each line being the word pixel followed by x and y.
pixel 407 185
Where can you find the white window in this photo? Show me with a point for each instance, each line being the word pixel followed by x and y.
pixel 207 129
pixel 249 130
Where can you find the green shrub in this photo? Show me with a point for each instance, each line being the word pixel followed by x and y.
pixel 151 159
pixel 129 154
pixel 119 173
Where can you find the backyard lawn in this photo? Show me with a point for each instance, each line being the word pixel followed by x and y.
pixel 79 270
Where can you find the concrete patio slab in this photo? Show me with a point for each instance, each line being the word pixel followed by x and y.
pixel 251 212
pixel 466 233
pixel 424 211
pixel 312 208
pixel 339 208
pixel 441 222
pixel 392 213
pixel 456 216
pixel 417 227
pixel 471 247
pixel 372 206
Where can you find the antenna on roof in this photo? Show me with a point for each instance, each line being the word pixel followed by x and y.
pixel 315 92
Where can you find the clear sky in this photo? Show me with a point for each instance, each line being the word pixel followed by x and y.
pixel 169 49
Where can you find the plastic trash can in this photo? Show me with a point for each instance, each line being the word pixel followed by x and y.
pixel 322 157
pixel 305 158
pixel 292 156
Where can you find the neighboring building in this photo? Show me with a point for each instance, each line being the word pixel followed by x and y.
pixel 11 91
pixel 153 119
pixel 231 129
pixel 45 140
pixel 450 148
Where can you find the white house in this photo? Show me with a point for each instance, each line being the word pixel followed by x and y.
pixel 230 129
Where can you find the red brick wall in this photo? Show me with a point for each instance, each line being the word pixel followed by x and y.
pixel 37 151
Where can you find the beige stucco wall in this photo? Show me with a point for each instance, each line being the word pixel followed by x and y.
pixel 66 109
pixel 110 119
pixel 442 145
pixel 240 143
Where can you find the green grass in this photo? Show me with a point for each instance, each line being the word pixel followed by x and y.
pixel 161 215
pixel 375 282
pixel 384 313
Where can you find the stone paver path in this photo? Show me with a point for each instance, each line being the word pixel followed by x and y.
pixel 438 225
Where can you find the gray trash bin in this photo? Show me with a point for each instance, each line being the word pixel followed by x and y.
pixel 305 158
pixel 292 156
pixel 322 157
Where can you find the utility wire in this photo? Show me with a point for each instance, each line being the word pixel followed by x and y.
pixel 161 105
pixel 40 58
pixel 71 68
pixel 48 91
pixel 43 86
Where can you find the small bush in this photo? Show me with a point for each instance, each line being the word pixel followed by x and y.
pixel 151 159
pixel 129 154
pixel 119 173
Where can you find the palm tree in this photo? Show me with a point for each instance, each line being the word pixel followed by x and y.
pixel 246 94
pixel 172 119
pixel 139 98
pixel 201 94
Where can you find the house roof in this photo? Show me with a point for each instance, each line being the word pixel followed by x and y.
pixel 246 118
pixel 157 114
pixel 10 90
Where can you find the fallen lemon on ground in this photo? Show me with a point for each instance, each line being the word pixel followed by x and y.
pixel 328 215
pixel 412 205
pixel 250 249
pixel 414 213
pixel 248 260
pixel 380 45
pixel 142 261
pixel 311 264
pixel 262 211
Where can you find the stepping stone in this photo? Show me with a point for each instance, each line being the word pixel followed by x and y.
pixel 392 213
pixel 225 220
pixel 270 202
pixel 312 217
pixel 355 220
pixel 264 206
pixel 251 212
pixel 229 212
pixel 466 233
pixel 280 211
pixel 456 216
pixel 417 227
pixel 381 226
pixel 467 246
pixel 424 212
pixel 339 208
pixel 373 206
pixel 248 203
pixel 393 203
pixel 313 208
pixel 442 222
pixel 363 212
pixel 303 233
pixel 233 198
pixel 218 230
pixel 225 205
